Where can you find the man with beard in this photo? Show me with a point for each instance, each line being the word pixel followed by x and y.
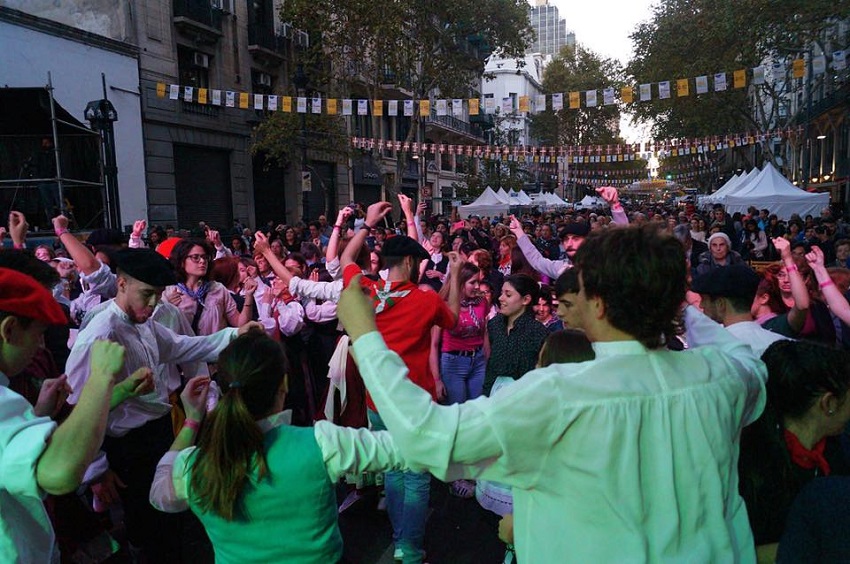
pixel 139 430
pixel 405 315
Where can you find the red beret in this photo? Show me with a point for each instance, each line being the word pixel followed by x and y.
pixel 22 296
pixel 167 246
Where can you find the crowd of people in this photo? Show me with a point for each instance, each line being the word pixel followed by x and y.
pixel 638 383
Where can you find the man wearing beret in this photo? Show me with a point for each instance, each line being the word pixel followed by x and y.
pixel 139 430
pixel 405 317
pixel 36 457
pixel 727 296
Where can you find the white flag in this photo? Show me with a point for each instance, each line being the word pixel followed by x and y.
pixel 187 93
pixel 758 75
pixel 558 101
pixel 540 103
pixel 590 98
pixel 258 101
pixel 346 107
pixel 230 99
pixel 778 69
pixel 457 107
pixel 362 107
pixel 317 105
pixel 608 96
pixel 720 82
pixel 272 102
pixel 664 89
pixel 216 97
pixel 392 107
pixel 301 104
pixel 441 107
pixel 507 105
pixel 819 64
pixel 489 105
pixel 645 92
pixel 174 92
pixel 839 60
pixel 408 108
pixel 702 84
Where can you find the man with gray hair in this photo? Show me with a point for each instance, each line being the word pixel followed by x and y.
pixel 719 254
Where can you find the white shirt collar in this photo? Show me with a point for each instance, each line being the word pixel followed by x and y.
pixel 275 420
pixel 616 348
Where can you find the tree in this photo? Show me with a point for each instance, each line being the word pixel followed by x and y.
pixel 406 48
pixel 578 70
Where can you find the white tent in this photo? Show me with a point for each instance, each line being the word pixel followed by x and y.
pixel 503 196
pixel 548 199
pixel 488 203
pixel 772 191
pixel 519 198
pixel 591 202
pixel 732 186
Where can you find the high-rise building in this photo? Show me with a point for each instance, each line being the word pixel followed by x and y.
pixel 550 29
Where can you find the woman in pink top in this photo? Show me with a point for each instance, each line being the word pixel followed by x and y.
pixel 207 305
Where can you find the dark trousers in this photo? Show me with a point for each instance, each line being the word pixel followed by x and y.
pixel 161 537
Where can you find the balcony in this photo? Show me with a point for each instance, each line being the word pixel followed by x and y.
pixel 264 43
pixel 198 19
pixel 454 128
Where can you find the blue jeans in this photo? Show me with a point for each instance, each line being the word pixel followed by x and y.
pixel 463 376
pixel 407 494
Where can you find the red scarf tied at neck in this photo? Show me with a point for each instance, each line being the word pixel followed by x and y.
pixel 805 458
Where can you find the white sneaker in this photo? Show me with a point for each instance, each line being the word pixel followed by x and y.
pixel 398 555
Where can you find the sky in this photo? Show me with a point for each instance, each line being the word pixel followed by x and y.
pixel 605 27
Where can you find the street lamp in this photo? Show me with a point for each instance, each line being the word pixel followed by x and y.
pixel 101 114
pixel 300 82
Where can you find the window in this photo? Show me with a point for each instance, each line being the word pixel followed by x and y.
pixel 193 67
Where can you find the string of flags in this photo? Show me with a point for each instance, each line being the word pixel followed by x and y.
pixel 458 107
pixel 582 154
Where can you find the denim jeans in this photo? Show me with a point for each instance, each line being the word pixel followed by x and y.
pixel 463 376
pixel 407 494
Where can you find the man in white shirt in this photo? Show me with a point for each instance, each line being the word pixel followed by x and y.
pixel 727 296
pixel 632 456
pixel 139 430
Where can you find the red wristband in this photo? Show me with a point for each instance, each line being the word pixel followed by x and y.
pixel 826 284
pixel 192 424
pixel 19 245
pixel 791 268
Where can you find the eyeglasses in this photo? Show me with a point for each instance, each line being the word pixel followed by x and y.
pixel 198 258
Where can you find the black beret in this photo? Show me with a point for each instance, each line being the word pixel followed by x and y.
pixel 733 281
pixel 146 265
pixel 578 228
pixel 403 246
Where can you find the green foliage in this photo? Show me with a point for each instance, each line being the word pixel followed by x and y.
pixel 280 137
pixel 579 70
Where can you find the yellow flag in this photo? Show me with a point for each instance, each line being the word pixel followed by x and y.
pixel 575 100
pixel 243 100
pixel 286 104
pixel 331 106
pixel 202 95
pixel 739 78
pixel 682 87
pixel 377 107
pixel 473 106
pixel 424 108
pixel 523 104
pixel 799 68
pixel 160 90
pixel 627 94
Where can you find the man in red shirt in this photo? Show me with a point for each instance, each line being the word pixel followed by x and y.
pixel 404 316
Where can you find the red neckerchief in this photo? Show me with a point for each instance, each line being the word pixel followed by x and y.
pixel 805 458
pixel 386 294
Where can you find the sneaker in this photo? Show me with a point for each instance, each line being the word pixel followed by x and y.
pixel 398 555
pixel 463 488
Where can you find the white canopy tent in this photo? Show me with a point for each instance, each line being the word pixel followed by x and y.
pixel 732 186
pixel 488 203
pixel 591 202
pixel 520 198
pixel 549 200
pixel 773 192
pixel 503 196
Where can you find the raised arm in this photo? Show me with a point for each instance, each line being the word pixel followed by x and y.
pixel 407 207
pixel 333 242
pixel 18 229
pixel 261 245
pixel 835 300
pixel 87 263
pixel 612 196
pixel 374 214
pixel 75 443
pixel 798 312
pixel 455 264
pixel 139 227
pixel 551 268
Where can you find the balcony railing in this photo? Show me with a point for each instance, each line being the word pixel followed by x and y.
pixel 198 11
pixel 265 38
pixel 456 125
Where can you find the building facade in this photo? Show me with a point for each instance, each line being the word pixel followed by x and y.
pixel 551 33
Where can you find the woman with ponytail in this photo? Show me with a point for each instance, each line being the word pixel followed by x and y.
pixel 263 489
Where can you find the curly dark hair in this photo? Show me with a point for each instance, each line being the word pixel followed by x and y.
pixel 181 252
pixel 641 275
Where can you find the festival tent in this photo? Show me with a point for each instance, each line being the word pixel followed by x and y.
pixel 773 192
pixel 732 186
pixel 548 199
pixel 591 202
pixel 523 198
pixel 503 196
pixel 488 203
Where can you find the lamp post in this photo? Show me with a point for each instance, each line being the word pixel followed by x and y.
pixel 101 115
pixel 300 82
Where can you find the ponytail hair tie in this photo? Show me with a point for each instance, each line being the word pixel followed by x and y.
pixel 235 385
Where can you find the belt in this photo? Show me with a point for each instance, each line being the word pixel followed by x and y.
pixel 473 352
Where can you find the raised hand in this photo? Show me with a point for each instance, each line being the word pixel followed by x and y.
pixel 214 237
pixel 376 212
pixel 18 227
pixel 194 397
pixel 249 286
pixel 406 204
pixel 455 262
pixel 139 227
pixel 261 243
pixel 783 246
pixel 516 227
pixel 107 358
pixel 54 392
pixel 609 194
pixel 815 257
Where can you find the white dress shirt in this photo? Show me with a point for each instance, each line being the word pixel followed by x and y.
pixel 629 457
pixel 146 344
pixel 26 534
pixel 755 335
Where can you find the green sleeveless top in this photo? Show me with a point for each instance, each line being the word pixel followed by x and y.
pixel 289 516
